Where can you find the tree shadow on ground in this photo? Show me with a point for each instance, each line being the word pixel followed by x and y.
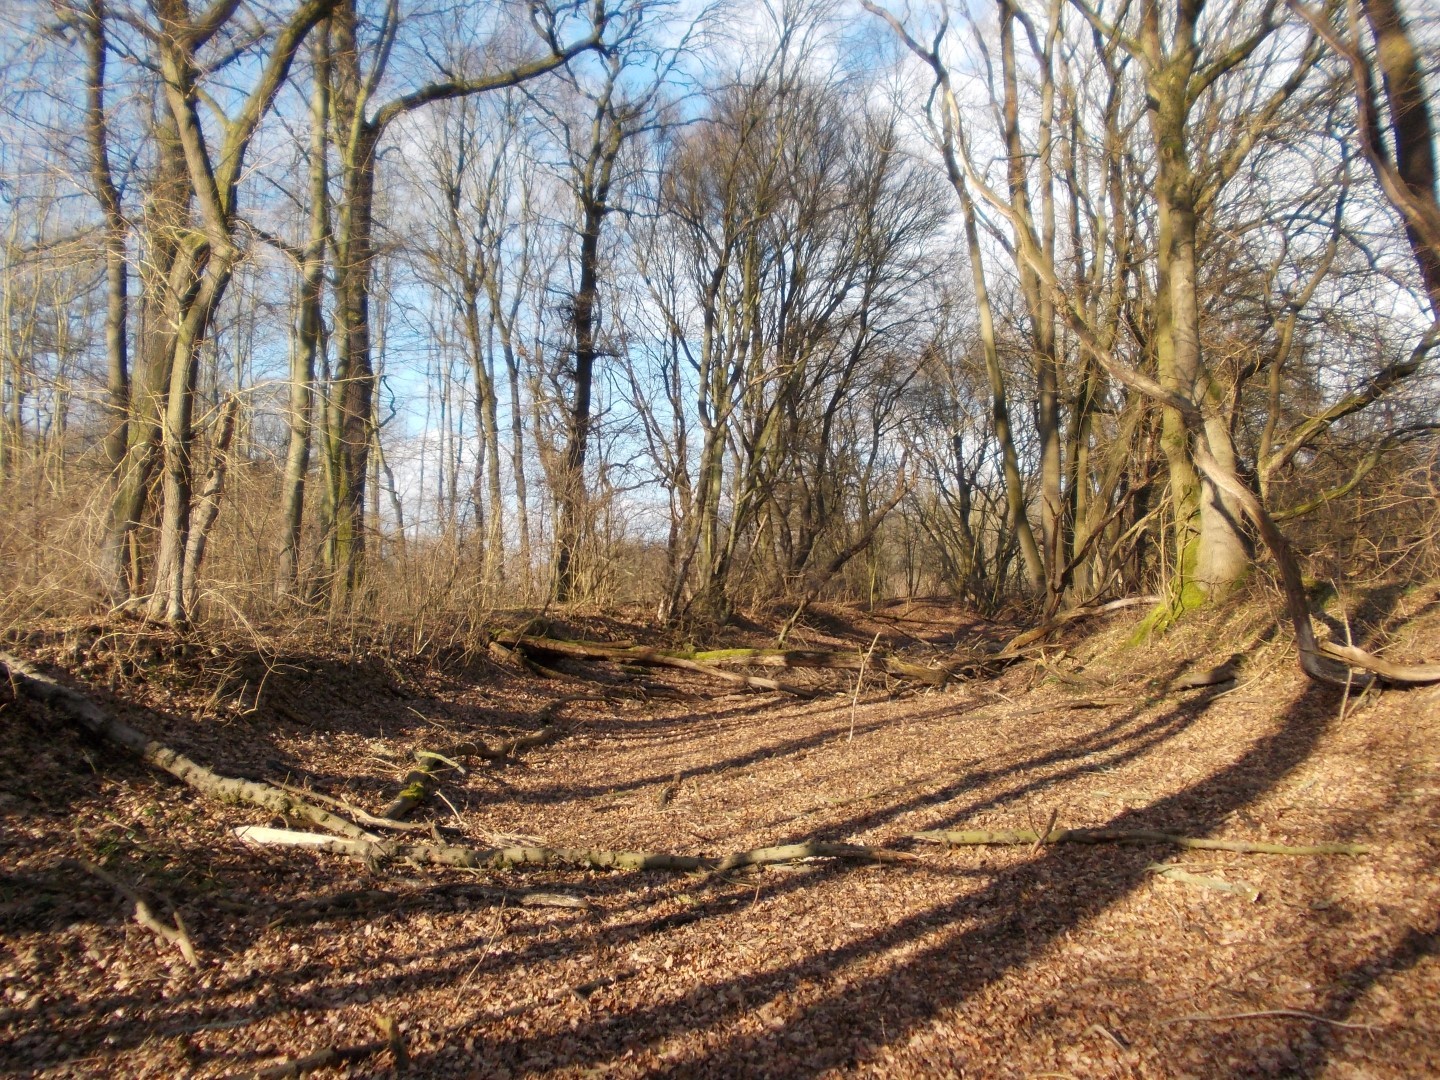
pixel 982 935
pixel 954 950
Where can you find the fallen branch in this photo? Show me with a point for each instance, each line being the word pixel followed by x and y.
pixel 1045 629
pixel 378 852
pixel 930 674
pixel 359 816
pixel 419 782
pixel 1269 1014
pixel 1171 872
pixel 223 788
pixel 1399 673
pixel 176 935
pixel 321 1059
pixel 1016 837
pixel 705 663
pixel 353 903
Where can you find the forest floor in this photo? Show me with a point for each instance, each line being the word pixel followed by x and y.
pixel 1062 960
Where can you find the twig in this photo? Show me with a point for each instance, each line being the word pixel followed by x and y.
pixel 1107 1033
pixel 175 935
pixel 859 679
pixel 1043 836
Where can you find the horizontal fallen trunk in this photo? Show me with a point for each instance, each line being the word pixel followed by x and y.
pixel 709 660
pixel 1017 837
pixel 225 789
pixel 509 858
pixel 929 674
pixel 635 654
pixel 372 902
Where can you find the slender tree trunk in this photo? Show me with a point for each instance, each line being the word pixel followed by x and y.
pixel 117 278
pixel 208 507
pixel 353 389
pixel 166 275
pixel 571 525
pixel 1016 518
pixel 309 335
pixel 1039 305
pixel 517 457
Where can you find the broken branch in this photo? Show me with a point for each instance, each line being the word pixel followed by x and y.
pixel 223 788
pixel 175 935
pixel 374 852
pixel 970 838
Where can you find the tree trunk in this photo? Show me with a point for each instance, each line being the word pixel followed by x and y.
pixel 1212 552
pixel 353 386
pixel 309 335
pixel 571 523
pixel 208 507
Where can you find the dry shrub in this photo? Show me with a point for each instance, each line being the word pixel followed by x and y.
pixel 440 589
pixel 50 528
pixel 1386 529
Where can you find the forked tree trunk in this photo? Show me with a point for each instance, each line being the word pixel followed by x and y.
pixel 1212 552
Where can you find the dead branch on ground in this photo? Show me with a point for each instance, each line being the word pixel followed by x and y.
pixel 964 838
pixel 375 853
pixel 176 935
pixel 713 662
pixel 419 782
pixel 97 721
pixel 1049 626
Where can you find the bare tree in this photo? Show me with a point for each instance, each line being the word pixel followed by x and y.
pixel 360 125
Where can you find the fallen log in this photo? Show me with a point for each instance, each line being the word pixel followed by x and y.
pixel 710 659
pixel 1397 673
pixel 635 654
pixel 1016 837
pixel 97 721
pixel 930 674
pixel 376 852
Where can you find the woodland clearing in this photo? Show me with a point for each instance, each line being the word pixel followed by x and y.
pixel 1030 959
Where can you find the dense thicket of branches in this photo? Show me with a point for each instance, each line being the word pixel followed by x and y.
pixel 346 304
